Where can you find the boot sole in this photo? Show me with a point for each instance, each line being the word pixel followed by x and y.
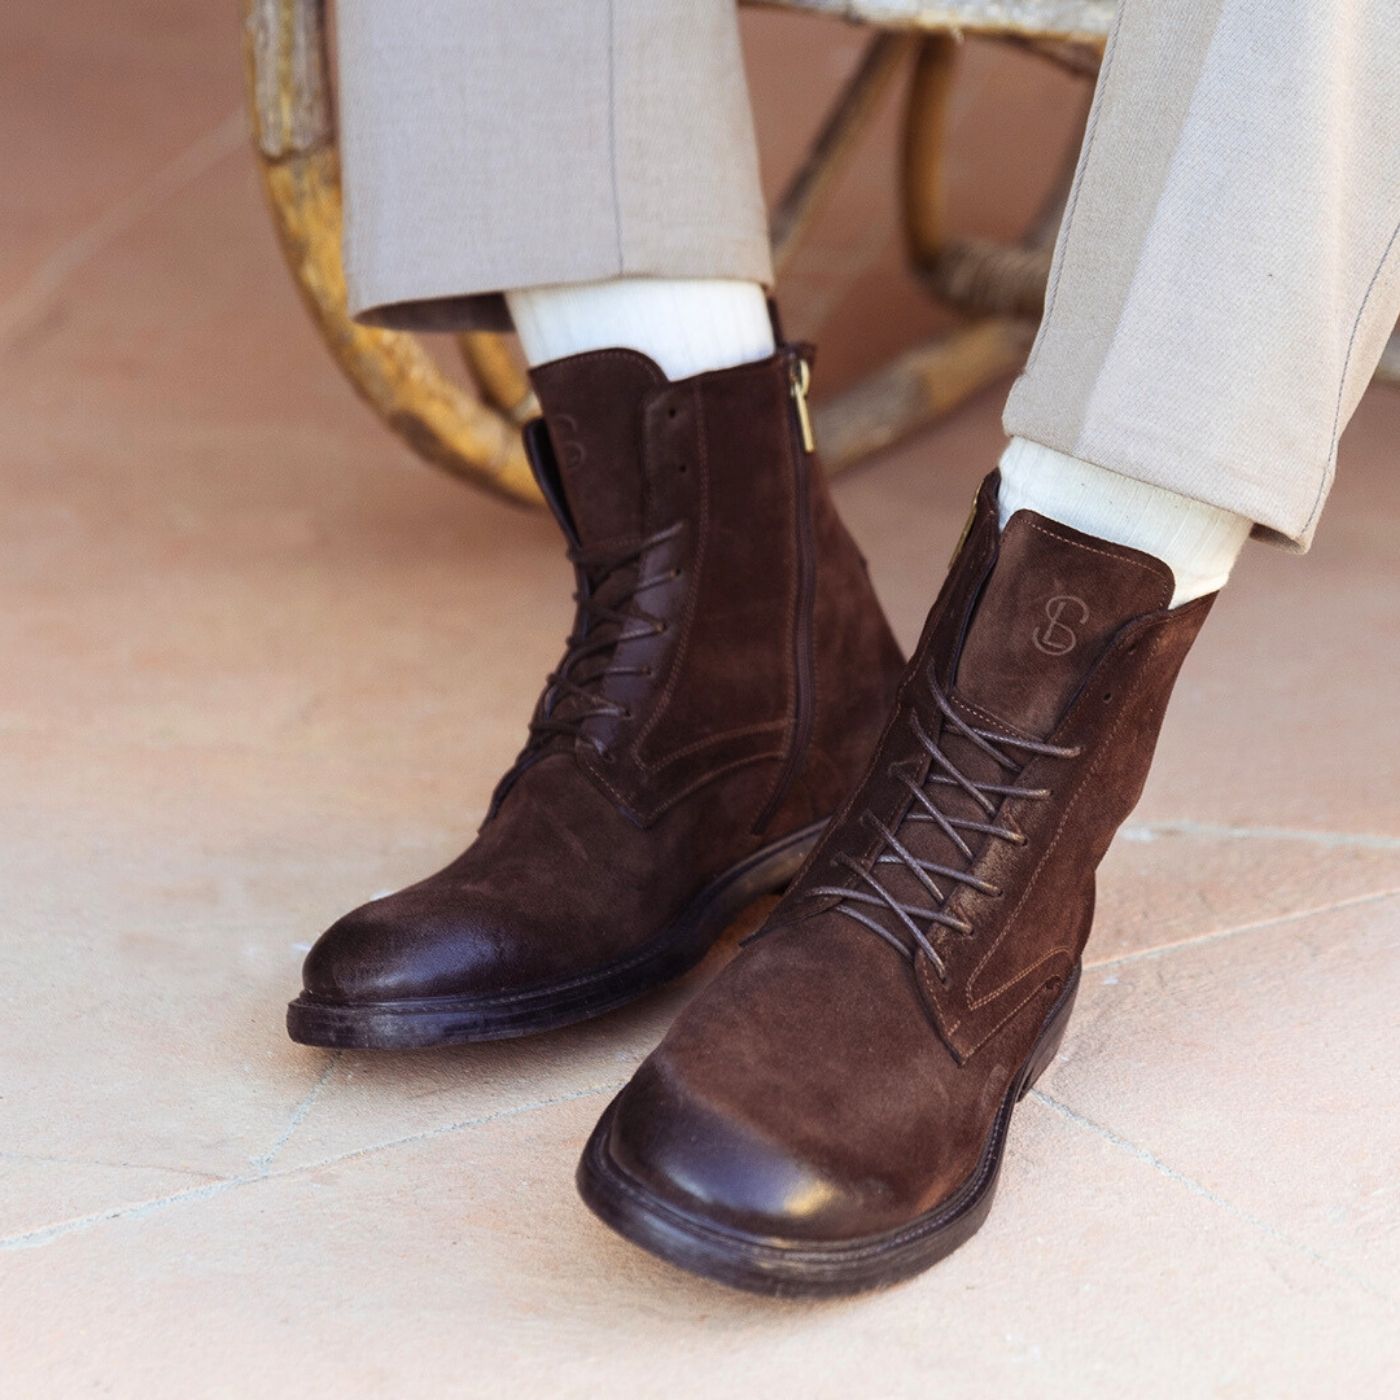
pixel 425 1022
pixel 802 1268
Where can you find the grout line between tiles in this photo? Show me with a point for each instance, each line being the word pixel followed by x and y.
pixel 200 156
pixel 1220 935
pixel 1338 840
pixel 1205 1193
pixel 139 1210
pixel 262 1164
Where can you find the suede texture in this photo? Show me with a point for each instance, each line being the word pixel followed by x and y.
pixel 832 1085
pixel 686 736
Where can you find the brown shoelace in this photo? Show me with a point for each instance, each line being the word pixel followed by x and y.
pixel 599 630
pixel 920 921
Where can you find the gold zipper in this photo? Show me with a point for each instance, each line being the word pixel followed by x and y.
pixel 801 376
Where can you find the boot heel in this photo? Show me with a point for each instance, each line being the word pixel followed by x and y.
pixel 1048 1046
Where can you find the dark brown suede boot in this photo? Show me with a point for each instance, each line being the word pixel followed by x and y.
pixel 723 686
pixel 829 1114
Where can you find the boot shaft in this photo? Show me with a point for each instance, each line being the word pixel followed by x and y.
pixel 1058 652
pixel 755 604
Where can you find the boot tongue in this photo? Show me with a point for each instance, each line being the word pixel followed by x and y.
pixel 1054 601
pixel 593 408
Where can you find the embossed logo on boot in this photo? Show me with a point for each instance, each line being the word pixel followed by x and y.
pixel 1064 612
pixel 571 451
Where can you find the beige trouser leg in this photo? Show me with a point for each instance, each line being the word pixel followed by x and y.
pixel 1224 283
pixel 1229 266
pixel 494 144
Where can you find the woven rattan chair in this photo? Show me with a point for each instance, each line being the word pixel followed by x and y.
pixel 996 289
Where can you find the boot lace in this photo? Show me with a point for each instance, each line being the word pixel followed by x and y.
pixel 919 920
pixel 600 628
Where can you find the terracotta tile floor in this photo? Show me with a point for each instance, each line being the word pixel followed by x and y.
pixel 258 665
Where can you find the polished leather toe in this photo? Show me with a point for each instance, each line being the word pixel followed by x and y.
pixel 404 948
pixel 743 1115
pixel 705 1162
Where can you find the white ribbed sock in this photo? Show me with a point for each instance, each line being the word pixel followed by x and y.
pixel 1197 542
pixel 686 325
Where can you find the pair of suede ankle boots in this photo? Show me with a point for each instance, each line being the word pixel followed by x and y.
pixel 732 718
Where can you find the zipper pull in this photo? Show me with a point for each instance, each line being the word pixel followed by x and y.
pixel 801 378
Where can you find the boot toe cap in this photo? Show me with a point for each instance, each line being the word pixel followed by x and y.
pixel 389 950
pixel 730 1170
